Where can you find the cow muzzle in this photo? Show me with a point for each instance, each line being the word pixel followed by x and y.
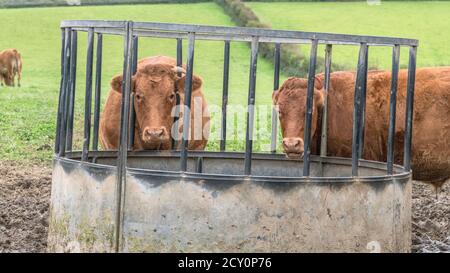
pixel 155 134
pixel 293 147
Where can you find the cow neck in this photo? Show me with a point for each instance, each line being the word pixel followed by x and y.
pixel 318 133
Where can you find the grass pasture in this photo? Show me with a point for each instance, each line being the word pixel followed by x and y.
pixel 28 114
pixel 426 21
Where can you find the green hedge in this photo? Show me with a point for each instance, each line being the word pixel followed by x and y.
pixel 43 3
pixel 339 0
pixel 293 61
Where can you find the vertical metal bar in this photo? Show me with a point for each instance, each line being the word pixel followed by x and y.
pixel 324 136
pixel 88 95
pixel 226 68
pixel 359 86
pixel 72 89
pixel 65 97
pixel 179 51
pixel 123 143
pixel 250 107
pixel 393 108
pixel 363 103
pixel 98 87
pixel 135 50
pixel 187 101
pixel 276 85
pixel 309 104
pixel 409 107
pixel 60 103
pixel 177 112
pixel 135 54
pixel 199 165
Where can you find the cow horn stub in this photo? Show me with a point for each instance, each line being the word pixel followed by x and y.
pixel 179 69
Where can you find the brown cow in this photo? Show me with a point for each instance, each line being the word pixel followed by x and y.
pixel 156 86
pixel 431 127
pixel 10 66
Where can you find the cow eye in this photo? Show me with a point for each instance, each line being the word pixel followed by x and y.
pixel 139 97
pixel 172 96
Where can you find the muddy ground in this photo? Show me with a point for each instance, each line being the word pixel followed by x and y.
pixel 24 203
pixel 431 218
pixel 25 195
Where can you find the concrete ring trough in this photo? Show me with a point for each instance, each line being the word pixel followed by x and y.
pixel 165 211
pixel 205 201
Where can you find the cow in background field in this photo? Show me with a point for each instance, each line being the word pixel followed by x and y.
pixel 156 86
pixel 431 125
pixel 10 66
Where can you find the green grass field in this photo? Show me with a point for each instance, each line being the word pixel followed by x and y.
pixel 28 114
pixel 427 21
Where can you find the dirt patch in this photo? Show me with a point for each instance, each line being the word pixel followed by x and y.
pixel 431 218
pixel 25 197
pixel 24 207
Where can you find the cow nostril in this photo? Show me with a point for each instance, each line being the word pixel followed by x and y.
pixel 293 144
pixel 155 132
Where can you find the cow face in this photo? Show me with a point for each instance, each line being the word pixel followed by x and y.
pixel 290 100
pixel 5 78
pixel 155 88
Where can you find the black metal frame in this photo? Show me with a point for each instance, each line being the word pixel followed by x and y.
pixel 131 31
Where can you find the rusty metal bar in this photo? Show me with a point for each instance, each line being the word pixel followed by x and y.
pixel 410 107
pixel 98 87
pixel 226 73
pixel 187 102
pixel 276 85
pixel 309 104
pixel 357 108
pixel 72 89
pixel 88 95
pixel 251 107
pixel 123 143
pixel 324 136
pixel 393 108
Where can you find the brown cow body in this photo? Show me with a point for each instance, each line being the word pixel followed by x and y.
pixel 431 127
pixel 10 66
pixel 155 86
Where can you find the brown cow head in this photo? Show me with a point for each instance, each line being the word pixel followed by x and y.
pixel 290 100
pixel 4 77
pixel 155 88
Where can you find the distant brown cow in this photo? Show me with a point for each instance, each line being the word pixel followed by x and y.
pixel 155 85
pixel 10 66
pixel 431 126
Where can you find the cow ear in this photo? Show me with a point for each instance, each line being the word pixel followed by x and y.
pixel 319 99
pixel 275 95
pixel 117 81
pixel 196 83
pixel 318 82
